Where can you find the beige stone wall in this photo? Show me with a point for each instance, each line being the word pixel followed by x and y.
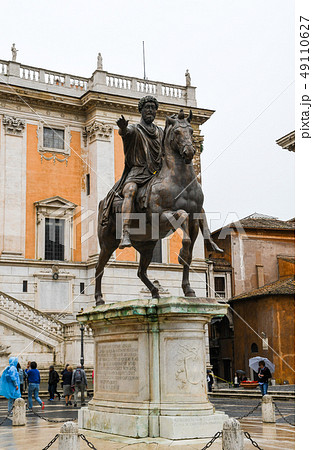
pixel 252 251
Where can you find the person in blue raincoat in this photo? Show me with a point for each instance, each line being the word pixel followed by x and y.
pixel 10 382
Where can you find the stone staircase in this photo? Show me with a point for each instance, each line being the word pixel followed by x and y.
pixel 35 335
pixel 38 325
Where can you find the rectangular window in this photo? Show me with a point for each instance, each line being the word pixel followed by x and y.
pixel 82 288
pixel 54 239
pixel 157 252
pixel 24 285
pixel 53 138
pixel 88 184
pixel 219 287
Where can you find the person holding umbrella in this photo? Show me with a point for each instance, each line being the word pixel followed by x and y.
pixel 264 369
pixel 263 376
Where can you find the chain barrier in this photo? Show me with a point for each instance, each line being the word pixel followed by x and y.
pixel 7 416
pixel 216 436
pixel 52 420
pixel 250 412
pixel 290 423
pixel 255 444
pixel 90 444
pixel 51 442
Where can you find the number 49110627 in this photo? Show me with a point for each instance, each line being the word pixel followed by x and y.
pixel 304 35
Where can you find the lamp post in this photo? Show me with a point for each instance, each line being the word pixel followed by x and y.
pixel 82 345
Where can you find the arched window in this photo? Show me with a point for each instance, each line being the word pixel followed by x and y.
pixel 254 348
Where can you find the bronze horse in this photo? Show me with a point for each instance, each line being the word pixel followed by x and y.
pixel 175 197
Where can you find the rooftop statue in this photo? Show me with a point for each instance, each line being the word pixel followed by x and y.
pixel 14 52
pixel 99 62
pixel 159 183
pixel 188 78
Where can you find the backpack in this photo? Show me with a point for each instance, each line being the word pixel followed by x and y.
pixel 78 376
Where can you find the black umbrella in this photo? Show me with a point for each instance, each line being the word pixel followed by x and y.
pixel 241 372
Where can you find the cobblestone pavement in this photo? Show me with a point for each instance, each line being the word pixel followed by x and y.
pixel 38 433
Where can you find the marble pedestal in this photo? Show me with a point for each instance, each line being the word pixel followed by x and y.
pixel 150 372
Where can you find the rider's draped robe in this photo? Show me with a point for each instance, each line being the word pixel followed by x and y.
pixel 143 159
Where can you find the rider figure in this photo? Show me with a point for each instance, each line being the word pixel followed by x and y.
pixel 143 157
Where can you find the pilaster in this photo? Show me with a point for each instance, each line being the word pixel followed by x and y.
pixel 14 166
pixel 100 142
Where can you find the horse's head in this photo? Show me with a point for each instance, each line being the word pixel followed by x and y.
pixel 178 135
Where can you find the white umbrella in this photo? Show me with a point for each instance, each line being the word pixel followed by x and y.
pixel 254 363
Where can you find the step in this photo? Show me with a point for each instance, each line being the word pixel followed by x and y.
pixel 252 394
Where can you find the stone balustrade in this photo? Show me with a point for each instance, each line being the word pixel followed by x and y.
pixel 14 73
pixel 73 329
pixel 29 73
pixel 22 310
pixel 3 68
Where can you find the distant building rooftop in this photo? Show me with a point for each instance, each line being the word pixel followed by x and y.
pixel 261 221
pixel 280 287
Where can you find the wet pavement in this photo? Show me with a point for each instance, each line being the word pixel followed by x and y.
pixel 38 432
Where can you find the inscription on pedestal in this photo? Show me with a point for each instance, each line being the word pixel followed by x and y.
pixel 117 366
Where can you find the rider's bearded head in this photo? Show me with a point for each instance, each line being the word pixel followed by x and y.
pixel 148 106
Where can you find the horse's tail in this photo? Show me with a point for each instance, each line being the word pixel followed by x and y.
pixel 100 210
pixel 208 241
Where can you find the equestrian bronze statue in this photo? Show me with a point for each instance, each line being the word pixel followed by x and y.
pixel 158 187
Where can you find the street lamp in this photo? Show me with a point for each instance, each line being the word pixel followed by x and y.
pixel 82 345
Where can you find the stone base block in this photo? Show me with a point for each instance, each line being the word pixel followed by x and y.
pixel 137 426
pixel 191 427
pixel 114 423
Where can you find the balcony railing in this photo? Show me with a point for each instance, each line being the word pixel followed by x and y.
pixel 14 73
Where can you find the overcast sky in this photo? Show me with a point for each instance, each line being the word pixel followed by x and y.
pixel 240 55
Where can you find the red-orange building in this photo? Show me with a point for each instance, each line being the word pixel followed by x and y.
pixel 259 258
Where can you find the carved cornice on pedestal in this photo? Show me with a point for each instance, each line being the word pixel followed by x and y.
pixel 98 131
pixel 13 126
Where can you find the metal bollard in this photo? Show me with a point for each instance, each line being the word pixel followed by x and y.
pixel 232 435
pixel 68 436
pixel 268 409
pixel 19 412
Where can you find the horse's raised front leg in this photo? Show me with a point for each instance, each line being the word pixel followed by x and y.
pixel 105 254
pixel 193 233
pixel 146 250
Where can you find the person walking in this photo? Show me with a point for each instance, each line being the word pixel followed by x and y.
pixel 79 382
pixel 33 377
pixel 65 368
pixel 67 384
pixel 53 383
pixel 21 375
pixel 263 376
pixel 10 383
pixel 210 381
pixel 25 373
